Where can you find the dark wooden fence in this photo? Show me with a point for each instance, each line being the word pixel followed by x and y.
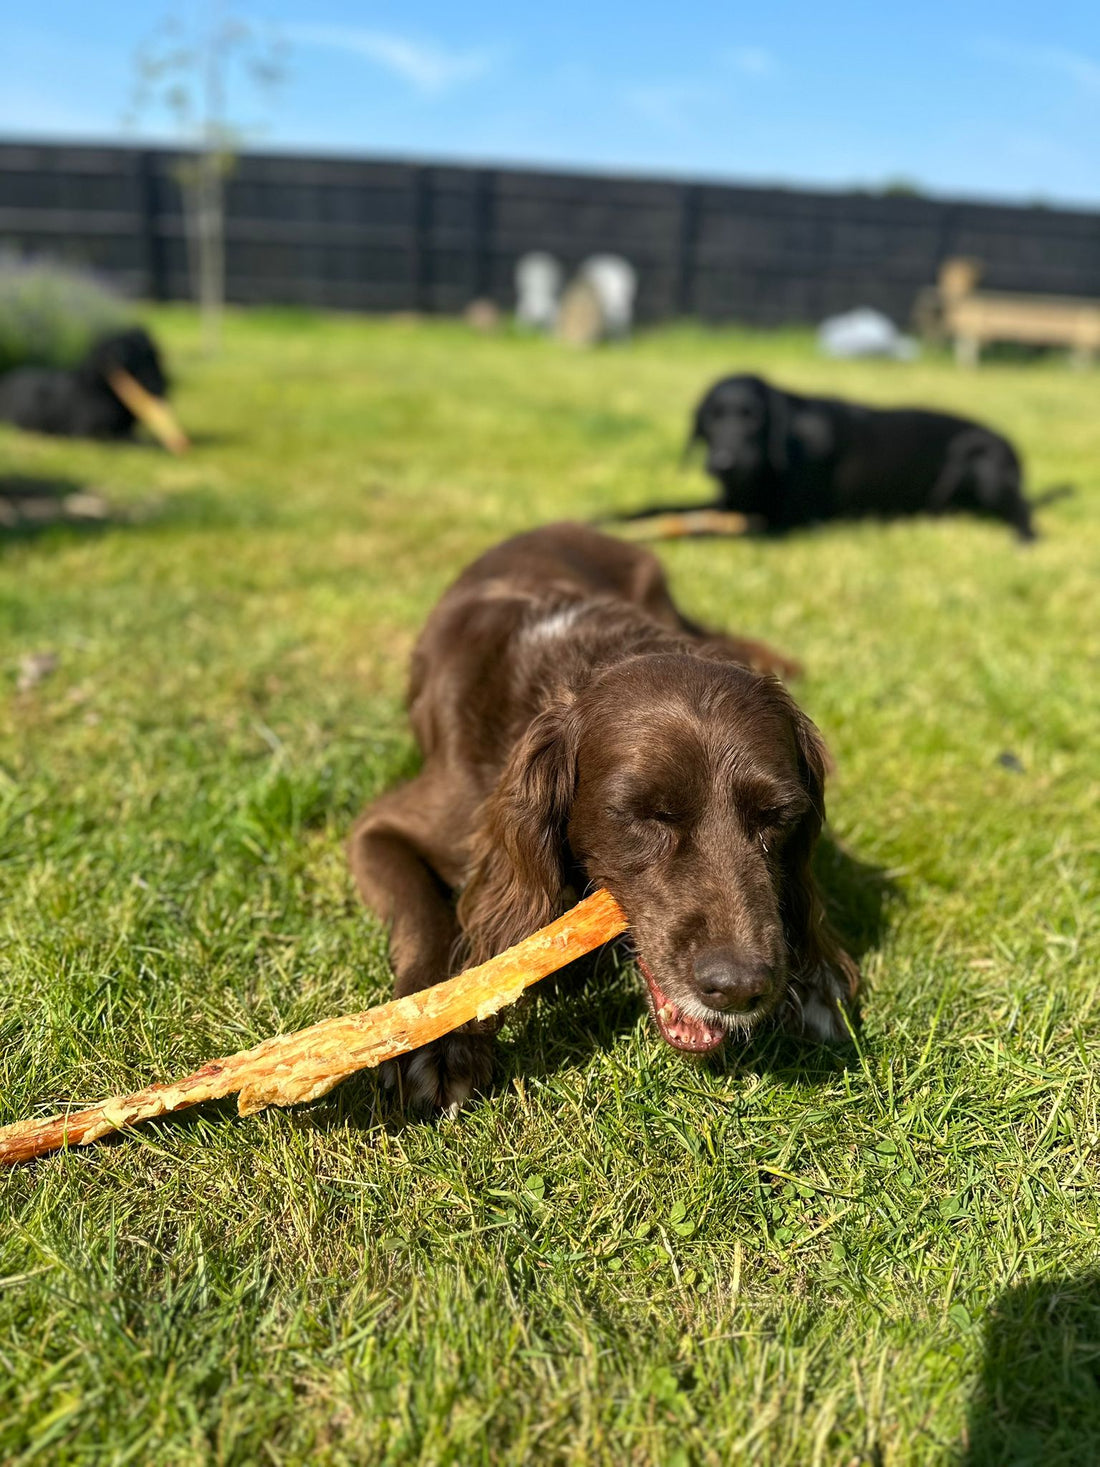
pixel 384 236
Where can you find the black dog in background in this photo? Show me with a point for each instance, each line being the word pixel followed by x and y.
pixel 785 461
pixel 80 403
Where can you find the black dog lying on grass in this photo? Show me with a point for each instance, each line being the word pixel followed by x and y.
pixel 80 402
pixel 784 461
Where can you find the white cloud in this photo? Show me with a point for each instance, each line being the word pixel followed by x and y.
pixel 752 61
pixel 426 66
pixel 1059 60
pixel 679 107
pixel 665 107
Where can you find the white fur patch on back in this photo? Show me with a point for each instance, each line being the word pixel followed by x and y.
pixel 554 624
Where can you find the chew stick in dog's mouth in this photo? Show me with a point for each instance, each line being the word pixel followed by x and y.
pixel 681 1030
pixel 292 1068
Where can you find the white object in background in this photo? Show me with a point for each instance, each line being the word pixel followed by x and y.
pixel 864 333
pixel 615 282
pixel 538 286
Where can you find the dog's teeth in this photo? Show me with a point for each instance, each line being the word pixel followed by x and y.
pixel 665 1012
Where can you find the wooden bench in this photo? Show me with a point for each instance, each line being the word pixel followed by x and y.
pixel 972 318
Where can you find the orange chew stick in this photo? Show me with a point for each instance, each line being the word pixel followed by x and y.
pixel 154 412
pixel 291 1068
pixel 682 525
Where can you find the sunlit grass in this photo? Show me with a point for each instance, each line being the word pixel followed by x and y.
pixel 617 1257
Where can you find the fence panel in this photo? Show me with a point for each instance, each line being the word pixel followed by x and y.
pixel 378 235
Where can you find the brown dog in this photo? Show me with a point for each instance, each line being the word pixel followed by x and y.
pixel 578 730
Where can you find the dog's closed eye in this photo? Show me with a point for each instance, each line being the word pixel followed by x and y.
pixel 663 816
pixel 644 814
pixel 775 820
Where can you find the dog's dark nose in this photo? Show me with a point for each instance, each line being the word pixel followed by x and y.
pixel 731 982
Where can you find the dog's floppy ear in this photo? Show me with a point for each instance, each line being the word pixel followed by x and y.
pixel 813 944
pixel 133 351
pixel 518 849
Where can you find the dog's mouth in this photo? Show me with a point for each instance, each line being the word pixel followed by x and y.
pixel 682 1031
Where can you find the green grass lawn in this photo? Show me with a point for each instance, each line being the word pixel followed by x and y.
pixel 797 1257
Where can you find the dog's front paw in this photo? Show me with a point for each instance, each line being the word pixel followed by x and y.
pixel 821 1007
pixel 446 1073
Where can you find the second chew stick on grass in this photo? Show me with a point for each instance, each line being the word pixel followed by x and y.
pixel 154 412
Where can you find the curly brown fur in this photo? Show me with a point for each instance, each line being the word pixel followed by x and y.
pixel 577 730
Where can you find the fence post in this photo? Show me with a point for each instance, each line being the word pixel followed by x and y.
pixel 422 262
pixel 484 223
pixel 691 207
pixel 152 242
pixel 950 219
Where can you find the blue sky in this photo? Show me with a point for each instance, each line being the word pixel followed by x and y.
pixel 987 99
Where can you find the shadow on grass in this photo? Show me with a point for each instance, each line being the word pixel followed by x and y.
pixel 29 505
pixel 1037 1403
pixel 219 438
pixel 161 1130
pixel 858 895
